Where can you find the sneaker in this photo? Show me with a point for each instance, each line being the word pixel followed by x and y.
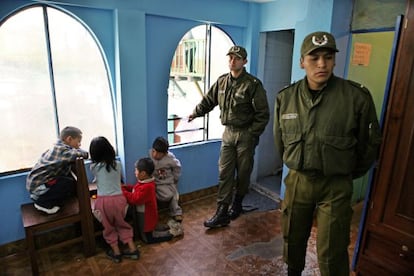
pixel 176 228
pixel 115 258
pixel 176 232
pixel 178 218
pixel 131 255
pixel 48 211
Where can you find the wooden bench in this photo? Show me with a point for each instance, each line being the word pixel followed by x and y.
pixel 76 210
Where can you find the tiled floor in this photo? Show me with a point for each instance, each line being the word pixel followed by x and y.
pixel 250 245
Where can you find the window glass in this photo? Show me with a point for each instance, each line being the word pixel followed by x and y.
pixel 28 124
pixel 42 91
pixel 199 59
pixel 83 94
pixel 219 65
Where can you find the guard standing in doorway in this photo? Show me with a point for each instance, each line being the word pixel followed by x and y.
pixel 327 133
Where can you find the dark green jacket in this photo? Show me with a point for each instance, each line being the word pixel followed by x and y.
pixel 336 133
pixel 242 102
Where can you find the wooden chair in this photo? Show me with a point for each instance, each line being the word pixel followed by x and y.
pixel 76 210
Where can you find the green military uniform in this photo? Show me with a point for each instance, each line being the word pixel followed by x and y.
pixel 325 139
pixel 244 111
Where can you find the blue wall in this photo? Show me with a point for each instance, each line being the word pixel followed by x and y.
pixel 139 39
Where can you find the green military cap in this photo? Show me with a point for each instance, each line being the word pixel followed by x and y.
pixel 238 51
pixel 318 40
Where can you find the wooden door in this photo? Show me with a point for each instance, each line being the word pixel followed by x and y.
pixel 387 246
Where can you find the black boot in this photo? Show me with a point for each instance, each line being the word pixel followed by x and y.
pixel 220 219
pixel 236 208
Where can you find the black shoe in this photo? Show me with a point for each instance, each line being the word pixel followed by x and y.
pixel 236 208
pixel 115 258
pixel 220 219
pixel 234 213
pixel 131 255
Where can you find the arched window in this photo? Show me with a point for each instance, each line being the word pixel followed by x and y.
pixel 200 58
pixel 52 75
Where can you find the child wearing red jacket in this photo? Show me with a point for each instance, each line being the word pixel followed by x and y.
pixel 142 196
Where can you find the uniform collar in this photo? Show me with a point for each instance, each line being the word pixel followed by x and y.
pixel 239 77
pixel 311 95
pixel 328 83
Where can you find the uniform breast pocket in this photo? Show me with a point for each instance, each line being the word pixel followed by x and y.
pixel 242 107
pixel 293 150
pixel 338 155
pixel 290 123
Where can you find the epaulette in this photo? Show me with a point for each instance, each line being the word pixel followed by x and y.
pixel 252 78
pixel 358 85
pixel 287 86
pixel 256 80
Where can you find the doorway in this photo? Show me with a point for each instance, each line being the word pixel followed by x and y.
pixel 274 69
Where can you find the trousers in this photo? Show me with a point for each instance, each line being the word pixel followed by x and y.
pixel 235 163
pixel 328 198
pixel 62 189
pixel 110 211
pixel 169 193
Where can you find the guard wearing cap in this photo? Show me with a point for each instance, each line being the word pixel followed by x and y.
pixel 245 113
pixel 327 133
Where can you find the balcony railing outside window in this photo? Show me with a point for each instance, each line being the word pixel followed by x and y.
pixel 189 59
pixel 199 57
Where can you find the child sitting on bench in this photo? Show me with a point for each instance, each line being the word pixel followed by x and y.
pixel 50 181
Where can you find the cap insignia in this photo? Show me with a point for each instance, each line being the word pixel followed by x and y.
pixel 319 41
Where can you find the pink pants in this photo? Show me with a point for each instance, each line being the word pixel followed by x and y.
pixel 111 211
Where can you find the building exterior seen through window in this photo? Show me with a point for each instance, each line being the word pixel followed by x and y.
pixel 52 75
pixel 199 59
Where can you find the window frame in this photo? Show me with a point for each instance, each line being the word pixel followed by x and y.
pixel 48 50
pixel 207 84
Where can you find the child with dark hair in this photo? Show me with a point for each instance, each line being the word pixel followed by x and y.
pixel 111 206
pixel 142 197
pixel 167 172
pixel 50 182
